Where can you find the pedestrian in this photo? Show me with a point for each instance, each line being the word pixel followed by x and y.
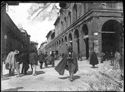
pixel 52 58
pixel 10 62
pixel 117 59
pixel 102 57
pixel 18 58
pixel 68 62
pixel 112 58
pixel 25 61
pixel 33 57
pixel 45 56
pixel 56 55
pixel 93 59
pixel 41 59
pixel 106 55
pixel 121 64
pixel 3 58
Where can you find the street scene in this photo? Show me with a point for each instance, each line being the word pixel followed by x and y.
pixel 62 46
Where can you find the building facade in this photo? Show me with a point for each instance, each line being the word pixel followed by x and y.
pixel 11 36
pixel 89 25
pixel 41 48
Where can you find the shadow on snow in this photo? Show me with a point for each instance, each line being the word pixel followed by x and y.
pixel 13 89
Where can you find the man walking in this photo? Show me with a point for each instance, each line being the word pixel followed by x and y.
pixel 41 59
pixel 33 57
pixel 25 60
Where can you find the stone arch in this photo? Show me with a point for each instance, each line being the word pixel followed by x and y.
pixel 62 40
pixel 74 12
pixel 80 9
pixel 76 36
pixel 65 19
pixel 62 25
pixel 59 42
pixel 112 39
pixel 70 38
pixel 65 39
pixel 86 39
pixel 69 19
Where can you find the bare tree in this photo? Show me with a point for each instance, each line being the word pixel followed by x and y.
pixel 41 11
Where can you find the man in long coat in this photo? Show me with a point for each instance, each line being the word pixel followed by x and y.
pixel 69 62
pixel 25 60
pixel 41 59
pixel 33 58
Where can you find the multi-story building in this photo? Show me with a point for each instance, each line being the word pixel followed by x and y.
pixel 11 36
pixel 89 25
pixel 41 48
pixel 50 37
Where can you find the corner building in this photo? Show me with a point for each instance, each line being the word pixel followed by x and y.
pixel 89 25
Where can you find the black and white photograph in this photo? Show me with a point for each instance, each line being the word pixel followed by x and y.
pixel 62 46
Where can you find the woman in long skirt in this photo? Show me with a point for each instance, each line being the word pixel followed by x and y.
pixel 69 62
pixel 93 59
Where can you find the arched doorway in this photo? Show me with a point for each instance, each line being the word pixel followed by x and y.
pixel 112 36
pixel 69 18
pixel 76 35
pixel 70 39
pixel 74 12
pixel 65 39
pixel 62 41
pixel 86 39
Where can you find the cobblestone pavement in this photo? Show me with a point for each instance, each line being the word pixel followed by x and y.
pixel 47 79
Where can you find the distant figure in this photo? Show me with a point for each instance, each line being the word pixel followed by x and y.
pixel 45 56
pixel 3 58
pixel 50 59
pixel 117 59
pixel 25 60
pixel 93 59
pixel 112 58
pixel 41 59
pixel 121 63
pixel 53 58
pixel 102 57
pixel 10 62
pixel 106 55
pixel 68 62
pixel 18 59
pixel 33 57
pixel 56 54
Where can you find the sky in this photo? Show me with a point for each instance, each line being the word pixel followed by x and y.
pixel 36 29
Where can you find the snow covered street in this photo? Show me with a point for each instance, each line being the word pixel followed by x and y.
pixel 47 79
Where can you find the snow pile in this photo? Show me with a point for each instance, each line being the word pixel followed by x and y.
pixel 110 70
